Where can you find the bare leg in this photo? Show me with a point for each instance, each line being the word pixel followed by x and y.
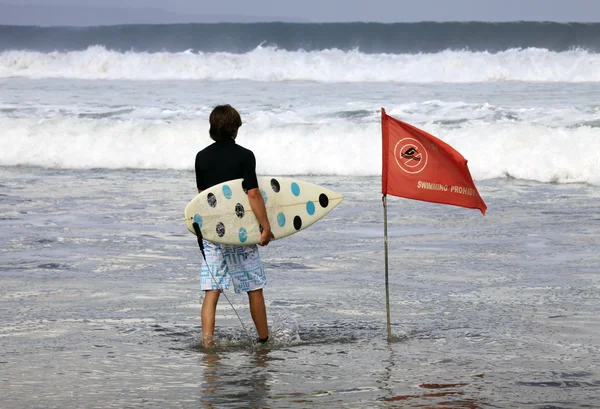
pixel 209 307
pixel 259 312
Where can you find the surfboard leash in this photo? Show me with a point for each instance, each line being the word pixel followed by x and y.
pixel 201 245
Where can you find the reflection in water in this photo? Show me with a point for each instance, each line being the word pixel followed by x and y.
pixel 452 396
pixel 222 383
pixel 259 388
pixel 211 363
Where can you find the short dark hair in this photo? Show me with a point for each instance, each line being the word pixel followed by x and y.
pixel 224 122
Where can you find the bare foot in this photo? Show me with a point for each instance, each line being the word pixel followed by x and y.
pixel 208 341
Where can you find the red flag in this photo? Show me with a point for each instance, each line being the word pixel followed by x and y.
pixel 417 165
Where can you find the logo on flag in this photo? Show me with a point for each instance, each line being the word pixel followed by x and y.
pixel 410 155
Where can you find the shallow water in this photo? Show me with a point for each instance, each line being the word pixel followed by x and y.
pixel 99 300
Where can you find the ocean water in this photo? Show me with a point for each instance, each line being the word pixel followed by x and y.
pixel 99 286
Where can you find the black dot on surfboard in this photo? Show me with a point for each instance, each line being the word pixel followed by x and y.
pixel 297 222
pixel 212 200
pixel 220 229
pixel 239 210
pixel 275 185
pixel 260 228
pixel 323 200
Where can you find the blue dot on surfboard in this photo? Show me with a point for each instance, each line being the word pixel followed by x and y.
pixel 264 195
pixel 281 219
pixel 310 208
pixel 295 189
pixel 198 220
pixel 243 234
pixel 227 191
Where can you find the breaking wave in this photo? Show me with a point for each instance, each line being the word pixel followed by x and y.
pixel 332 65
pixel 524 151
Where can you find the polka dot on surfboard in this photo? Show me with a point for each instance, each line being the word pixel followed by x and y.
pixel 227 218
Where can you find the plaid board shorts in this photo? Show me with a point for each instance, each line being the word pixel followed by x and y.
pixel 240 264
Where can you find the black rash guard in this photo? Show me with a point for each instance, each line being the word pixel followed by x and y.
pixel 222 161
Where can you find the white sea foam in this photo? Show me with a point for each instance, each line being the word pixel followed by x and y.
pixel 524 151
pixel 271 64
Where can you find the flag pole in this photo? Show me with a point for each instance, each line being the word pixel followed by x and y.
pixel 387 286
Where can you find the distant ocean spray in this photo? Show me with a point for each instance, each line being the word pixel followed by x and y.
pixel 329 66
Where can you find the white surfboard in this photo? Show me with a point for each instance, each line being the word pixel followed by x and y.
pixel 224 215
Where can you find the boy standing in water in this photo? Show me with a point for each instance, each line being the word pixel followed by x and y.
pixel 222 161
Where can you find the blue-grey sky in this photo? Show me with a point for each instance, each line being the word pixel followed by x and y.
pixel 356 10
